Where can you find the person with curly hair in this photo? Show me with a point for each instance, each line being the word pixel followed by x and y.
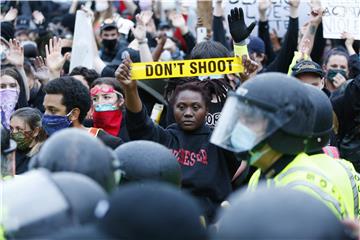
pixel 66 104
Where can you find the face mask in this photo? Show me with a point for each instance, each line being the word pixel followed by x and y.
pixel 8 101
pixel 165 56
pixel 243 138
pixel 333 72
pixel 22 139
pixel 105 107
pixel 110 121
pixel 54 123
pixel 169 33
pixel 101 6
pixel 109 44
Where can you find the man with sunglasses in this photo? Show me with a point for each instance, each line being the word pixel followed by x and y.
pixel 66 104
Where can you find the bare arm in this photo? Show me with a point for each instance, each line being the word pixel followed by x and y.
pixel 309 35
pixel 140 35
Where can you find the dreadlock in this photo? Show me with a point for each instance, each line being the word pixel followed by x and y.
pixel 172 83
pixel 216 87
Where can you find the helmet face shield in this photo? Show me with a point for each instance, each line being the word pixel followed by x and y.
pixel 243 125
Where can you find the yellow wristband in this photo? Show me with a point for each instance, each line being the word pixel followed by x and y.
pixel 240 50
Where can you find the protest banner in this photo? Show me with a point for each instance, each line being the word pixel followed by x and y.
pixel 341 16
pixel 82 53
pixel 186 68
pixel 278 13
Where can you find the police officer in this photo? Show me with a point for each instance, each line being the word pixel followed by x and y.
pixel 271 119
pixel 340 168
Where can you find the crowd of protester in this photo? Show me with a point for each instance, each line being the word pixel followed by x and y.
pixel 92 154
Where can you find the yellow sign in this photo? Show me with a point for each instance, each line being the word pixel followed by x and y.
pixel 186 68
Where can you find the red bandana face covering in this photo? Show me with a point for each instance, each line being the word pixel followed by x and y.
pixel 110 121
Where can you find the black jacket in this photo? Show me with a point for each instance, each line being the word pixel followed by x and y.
pixel 285 55
pixel 206 169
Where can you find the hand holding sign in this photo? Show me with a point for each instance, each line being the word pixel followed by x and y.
pixel 250 68
pixel 238 29
pixel 123 75
pixel 349 41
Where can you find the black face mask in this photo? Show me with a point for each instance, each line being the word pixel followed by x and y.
pixel 109 44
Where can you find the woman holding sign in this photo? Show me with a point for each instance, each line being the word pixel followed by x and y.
pixel 206 169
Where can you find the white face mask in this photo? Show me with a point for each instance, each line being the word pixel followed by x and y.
pixel 165 56
pixel 101 6
pixel 243 138
pixel 169 33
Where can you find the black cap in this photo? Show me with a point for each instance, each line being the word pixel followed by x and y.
pixel 108 24
pixel 307 66
pixel 22 24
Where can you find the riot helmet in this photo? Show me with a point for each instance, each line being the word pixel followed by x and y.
pixel 145 160
pixel 270 108
pixel 38 202
pixel 286 216
pixel 323 124
pixel 75 150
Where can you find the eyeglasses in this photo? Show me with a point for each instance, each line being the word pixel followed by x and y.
pixel 105 90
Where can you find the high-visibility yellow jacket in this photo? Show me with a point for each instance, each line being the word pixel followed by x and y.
pixel 334 182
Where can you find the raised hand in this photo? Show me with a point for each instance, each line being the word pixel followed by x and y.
pixel 349 42
pixel 54 60
pixel 38 17
pixel 294 6
pixel 238 29
pixel 250 68
pixel 15 55
pixel 11 15
pixel 178 21
pixel 263 7
pixel 41 70
pixel 123 75
pixel 140 30
pixel 146 16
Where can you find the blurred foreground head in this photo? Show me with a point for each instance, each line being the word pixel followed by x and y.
pixel 75 150
pixel 38 202
pixel 278 213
